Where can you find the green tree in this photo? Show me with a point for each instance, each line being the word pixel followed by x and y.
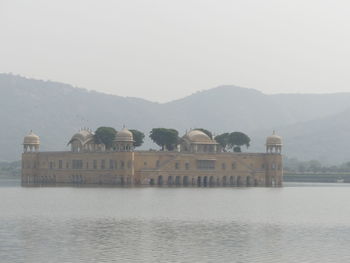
pixel 223 140
pixel 165 138
pixel 206 132
pixel 238 139
pixel 138 137
pixel 105 135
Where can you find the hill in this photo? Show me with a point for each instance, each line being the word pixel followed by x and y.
pixel 55 111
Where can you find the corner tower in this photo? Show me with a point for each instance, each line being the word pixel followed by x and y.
pixel 31 143
pixel 273 161
pixel 274 143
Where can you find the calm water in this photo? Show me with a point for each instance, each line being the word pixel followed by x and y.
pixel 297 223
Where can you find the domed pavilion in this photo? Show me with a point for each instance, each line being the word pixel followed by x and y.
pixel 274 143
pixel 31 142
pixel 124 141
pixel 196 141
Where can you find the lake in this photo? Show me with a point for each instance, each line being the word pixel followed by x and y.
pixel 296 223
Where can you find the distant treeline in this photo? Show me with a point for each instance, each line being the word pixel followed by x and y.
pixel 10 168
pixel 293 165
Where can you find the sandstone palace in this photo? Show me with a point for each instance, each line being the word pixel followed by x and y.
pixel 197 161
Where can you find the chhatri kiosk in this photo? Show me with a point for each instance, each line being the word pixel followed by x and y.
pixel 198 161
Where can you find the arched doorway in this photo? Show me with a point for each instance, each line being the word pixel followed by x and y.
pixel 256 183
pixel 224 183
pixel 177 180
pixel 211 181
pixel 248 181
pixel 273 182
pixel 160 180
pixel 205 181
pixel 185 181
pixel 170 180
pixel 239 181
pixel 232 182
pixel 199 181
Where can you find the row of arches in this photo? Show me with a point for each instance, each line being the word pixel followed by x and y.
pixel 77 179
pixel 101 180
pixel 204 181
pixel 36 179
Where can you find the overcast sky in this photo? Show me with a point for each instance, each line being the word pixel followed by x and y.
pixel 162 50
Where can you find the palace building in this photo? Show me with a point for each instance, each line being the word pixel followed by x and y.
pixel 197 161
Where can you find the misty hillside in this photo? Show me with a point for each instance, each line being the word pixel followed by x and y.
pixel 313 126
pixel 325 139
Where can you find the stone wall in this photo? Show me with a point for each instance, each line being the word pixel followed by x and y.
pixel 152 168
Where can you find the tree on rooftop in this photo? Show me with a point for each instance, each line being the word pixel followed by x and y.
pixel 105 135
pixel 138 137
pixel 238 139
pixel 223 140
pixel 165 138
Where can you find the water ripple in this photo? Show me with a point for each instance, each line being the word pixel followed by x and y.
pixel 174 225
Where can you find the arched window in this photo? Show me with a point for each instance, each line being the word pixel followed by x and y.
pixel 273 166
pixel 234 165
pixel 223 166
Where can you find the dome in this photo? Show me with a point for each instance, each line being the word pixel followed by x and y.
pixel 198 137
pixel 31 138
pixel 274 139
pixel 83 136
pixel 124 136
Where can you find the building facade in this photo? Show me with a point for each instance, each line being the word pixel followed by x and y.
pixel 198 161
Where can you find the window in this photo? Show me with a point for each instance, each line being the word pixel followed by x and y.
pixel 122 164
pixel 223 166
pixel 51 165
pixel 273 166
pixel 234 165
pixel 60 164
pixel 111 164
pixel 115 164
pixel 177 165
pixel 103 164
pixel 95 164
pixel 187 166
pixel 144 163
pixel 206 164
pixel 263 166
pixel 77 164
pixel 157 163
pixel 129 164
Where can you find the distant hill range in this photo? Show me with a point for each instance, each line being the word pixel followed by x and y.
pixel 313 126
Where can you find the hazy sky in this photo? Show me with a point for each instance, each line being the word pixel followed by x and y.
pixel 161 50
